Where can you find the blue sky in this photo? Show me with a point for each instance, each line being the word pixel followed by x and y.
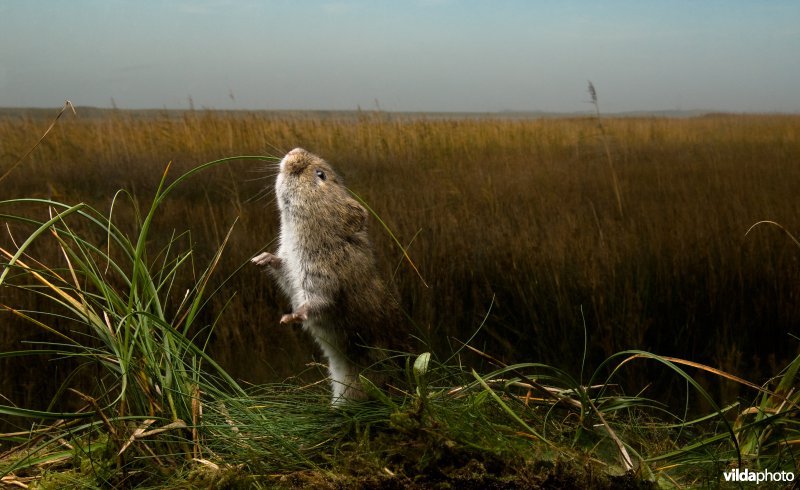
pixel 414 55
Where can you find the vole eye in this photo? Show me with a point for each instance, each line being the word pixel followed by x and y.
pixel 321 175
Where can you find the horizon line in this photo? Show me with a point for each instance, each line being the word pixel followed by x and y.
pixel 379 110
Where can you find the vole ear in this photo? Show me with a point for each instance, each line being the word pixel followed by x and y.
pixel 356 219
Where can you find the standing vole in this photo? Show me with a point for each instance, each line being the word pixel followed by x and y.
pixel 325 265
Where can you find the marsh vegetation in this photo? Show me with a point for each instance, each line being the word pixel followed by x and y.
pixel 563 251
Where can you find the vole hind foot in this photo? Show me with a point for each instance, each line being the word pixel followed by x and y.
pixel 267 258
pixel 298 316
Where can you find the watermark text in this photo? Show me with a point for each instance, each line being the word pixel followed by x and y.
pixel 758 477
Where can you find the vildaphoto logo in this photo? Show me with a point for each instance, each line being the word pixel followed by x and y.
pixel 763 476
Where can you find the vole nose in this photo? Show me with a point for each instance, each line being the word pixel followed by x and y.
pixel 292 160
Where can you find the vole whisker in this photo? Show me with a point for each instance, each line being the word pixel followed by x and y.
pixel 279 151
pixel 263 177
pixel 263 194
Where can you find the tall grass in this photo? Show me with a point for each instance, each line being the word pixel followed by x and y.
pixel 112 308
pixel 520 210
pixel 128 303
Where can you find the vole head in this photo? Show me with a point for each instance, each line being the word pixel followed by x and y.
pixel 308 189
pixel 297 161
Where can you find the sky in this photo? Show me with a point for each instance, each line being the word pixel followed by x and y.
pixel 412 55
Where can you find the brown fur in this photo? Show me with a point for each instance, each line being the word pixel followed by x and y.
pixel 325 265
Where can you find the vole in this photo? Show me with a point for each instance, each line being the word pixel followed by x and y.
pixel 325 265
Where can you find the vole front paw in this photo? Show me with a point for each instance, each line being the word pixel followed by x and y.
pixel 298 316
pixel 267 258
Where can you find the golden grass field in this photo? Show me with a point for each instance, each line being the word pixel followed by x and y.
pixel 632 229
